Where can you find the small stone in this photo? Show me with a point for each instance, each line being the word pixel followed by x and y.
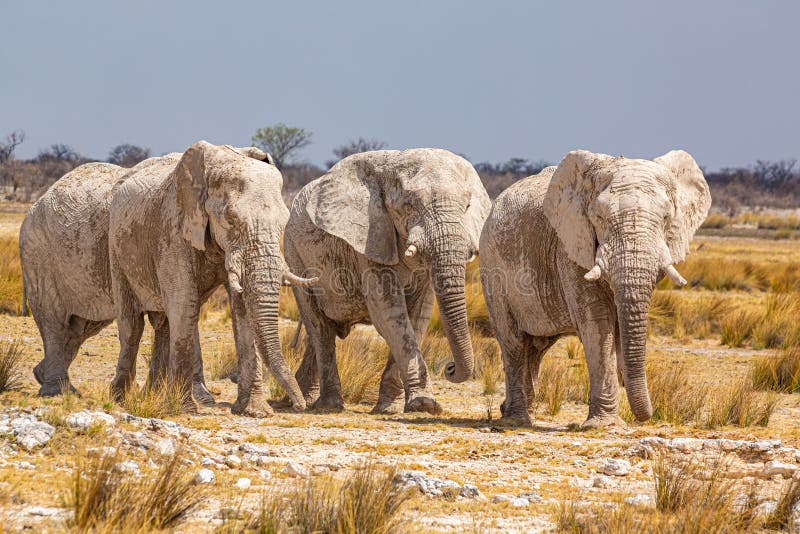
pixel 264 474
pixel 580 462
pixel 85 419
pixel 233 461
pixel 243 483
pixel 293 469
pixel 501 497
pixel 469 491
pixel 205 476
pixel 128 466
pixel 165 447
pixel 519 501
pixel 603 482
pixel 775 467
pixel 615 467
pixel 531 496
pixel 639 500
pixel 208 462
pixel 31 433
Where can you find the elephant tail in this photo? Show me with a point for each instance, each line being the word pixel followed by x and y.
pixel 296 337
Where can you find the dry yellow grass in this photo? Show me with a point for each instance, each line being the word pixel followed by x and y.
pixel 10 276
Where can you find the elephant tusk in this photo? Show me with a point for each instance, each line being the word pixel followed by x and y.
pixel 593 275
pixel 233 282
pixel 675 276
pixel 291 279
pixel 411 250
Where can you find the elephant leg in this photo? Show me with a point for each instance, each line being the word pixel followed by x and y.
pixel 594 316
pixel 52 371
pixel 159 361
pixel 307 376
pixel 419 303
pixel 386 303
pixel 518 376
pixel 251 396
pixel 199 389
pixel 323 338
pixel 130 326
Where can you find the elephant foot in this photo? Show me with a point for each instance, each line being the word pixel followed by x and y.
pixel 603 421
pixel 189 406
pixel 54 389
pixel 331 403
pixel 256 406
pixel 389 406
pixel 38 372
pixel 202 395
pixel 517 418
pixel 423 404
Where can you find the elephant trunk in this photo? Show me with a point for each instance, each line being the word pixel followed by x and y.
pixel 262 281
pixel 633 290
pixel 448 277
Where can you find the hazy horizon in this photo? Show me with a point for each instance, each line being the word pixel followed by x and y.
pixel 528 80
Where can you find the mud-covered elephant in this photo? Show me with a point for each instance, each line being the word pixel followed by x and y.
pixel 578 249
pixel 178 229
pixel 63 245
pixel 386 231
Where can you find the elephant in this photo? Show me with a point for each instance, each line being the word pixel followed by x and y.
pixel 385 231
pixel 63 244
pixel 178 229
pixel 578 249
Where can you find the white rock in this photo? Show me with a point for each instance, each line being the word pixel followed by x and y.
pixel 765 445
pixel 165 447
pixel 686 444
pixel 501 497
pixel 264 474
pixel 293 469
pixel 519 501
pixel 233 461
pixel 128 466
pixel 43 511
pixel 31 433
pixel 775 467
pixel 470 491
pixel 243 483
pixel 615 467
pixel 639 500
pixel 205 476
pixel 208 462
pixel 531 496
pixel 580 462
pixel 85 419
pixel 24 465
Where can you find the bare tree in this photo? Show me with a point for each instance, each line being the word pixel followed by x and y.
pixel 356 146
pixel 127 155
pixel 282 141
pixel 9 144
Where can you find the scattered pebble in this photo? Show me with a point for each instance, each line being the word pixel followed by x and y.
pixel 233 461
pixel 205 476
pixel 615 467
pixel 31 433
pixel 293 469
pixel 243 483
pixel 86 419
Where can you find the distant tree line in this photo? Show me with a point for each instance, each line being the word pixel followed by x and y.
pixel 766 184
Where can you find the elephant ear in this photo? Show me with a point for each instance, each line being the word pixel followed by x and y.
pixel 478 210
pixel 190 178
pixel 348 203
pixel 692 201
pixel 566 206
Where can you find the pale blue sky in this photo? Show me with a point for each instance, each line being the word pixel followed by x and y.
pixel 491 80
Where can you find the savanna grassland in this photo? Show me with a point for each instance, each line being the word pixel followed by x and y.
pixel 724 363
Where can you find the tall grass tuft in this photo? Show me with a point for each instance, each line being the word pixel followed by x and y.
pixel 675 396
pixel 223 361
pixel 161 400
pixel 778 373
pixel 10 276
pixel 368 501
pixel 105 499
pixel 782 517
pixel 739 404
pixel 10 364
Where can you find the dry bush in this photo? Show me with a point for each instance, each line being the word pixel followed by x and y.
pixel 222 362
pixel 104 499
pixel 10 364
pixel 675 397
pixel 672 313
pixel 10 276
pixel 488 363
pixel 778 373
pixel 739 404
pixel 561 379
pixel 368 501
pixel 161 400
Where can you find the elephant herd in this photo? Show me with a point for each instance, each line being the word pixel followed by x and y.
pixel 576 249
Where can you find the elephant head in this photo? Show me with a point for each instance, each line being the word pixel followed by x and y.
pixel 430 203
pixel 236 194
pixel 627 222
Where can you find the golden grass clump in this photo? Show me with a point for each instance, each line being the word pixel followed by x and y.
pixel 222 361
pixel 10 364
pixel 161 400
pixel 778 373
pixel 676 397
pixel 103 498
pixel 562 379
pixel 368 501
pixel 739 404
pixel 782 517
pixel 10 276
